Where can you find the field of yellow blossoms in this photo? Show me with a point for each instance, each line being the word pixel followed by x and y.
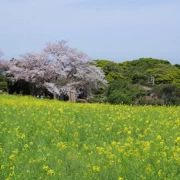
pixel 46 139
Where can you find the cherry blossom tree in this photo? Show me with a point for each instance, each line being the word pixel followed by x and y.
pixel 59 69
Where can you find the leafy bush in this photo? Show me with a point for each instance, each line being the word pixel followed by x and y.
pixel 170 93
pixel 123 92
pixel 3 83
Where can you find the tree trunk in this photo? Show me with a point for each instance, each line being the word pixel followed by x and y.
pixel 72 95
pixel 54 96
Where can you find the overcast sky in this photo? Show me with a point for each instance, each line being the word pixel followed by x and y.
pixel 116 30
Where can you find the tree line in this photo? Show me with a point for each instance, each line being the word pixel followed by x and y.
pixel 142 81
pixel 58 70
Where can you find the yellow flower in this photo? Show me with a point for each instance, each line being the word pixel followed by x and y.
pixel 62 145
pixel 1 149
pixel 113 143
pixel 96 168
pixel 16 151
pixel 12 157
pixel 50 172
pixel 85 147
pixel 177 140
pixel 31 143
pixel 45 167
pixel 158 137
pixel 160 173
pixel 22 136
pixel 12 168
pixel 100 150
pixel 26 145
pixel 120 178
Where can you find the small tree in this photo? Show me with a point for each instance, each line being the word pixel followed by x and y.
pixel 119 91
pixel 169 93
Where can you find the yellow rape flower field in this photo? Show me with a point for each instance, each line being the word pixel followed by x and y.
pixel 46 139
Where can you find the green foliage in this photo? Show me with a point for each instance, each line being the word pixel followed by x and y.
pixel 120 98
pixel 3 83
pixel 136 72
pixel 110 69
pixel 169 93
pixel 122 91
pixel 139 77
pixel 177 65
pixel 165 74
pixel 143 64
pixel 139 69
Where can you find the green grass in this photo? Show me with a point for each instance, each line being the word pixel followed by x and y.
pixel 46 139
